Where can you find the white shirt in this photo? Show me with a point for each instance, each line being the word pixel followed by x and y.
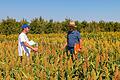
pixel 21 47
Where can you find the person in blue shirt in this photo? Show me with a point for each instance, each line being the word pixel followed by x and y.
pixel 73 39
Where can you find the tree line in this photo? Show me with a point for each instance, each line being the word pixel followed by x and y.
pixel 40 25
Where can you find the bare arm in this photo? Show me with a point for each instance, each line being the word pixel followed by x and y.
pixel 80 43
pixel 34 49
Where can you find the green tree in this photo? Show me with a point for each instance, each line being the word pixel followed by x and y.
pixel 38 25
pixel 9 26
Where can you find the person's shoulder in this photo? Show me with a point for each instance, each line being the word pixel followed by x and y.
pixel 69 32
pixel 76 31
pixel 22 34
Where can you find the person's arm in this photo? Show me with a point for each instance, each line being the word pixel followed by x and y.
pixel 23 40
pixel 80 43
pixel 64 45
pixel 34 49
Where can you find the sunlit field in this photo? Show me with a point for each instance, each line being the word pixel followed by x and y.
pixel 99 58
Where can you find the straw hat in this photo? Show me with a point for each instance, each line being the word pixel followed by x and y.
pixel 72 24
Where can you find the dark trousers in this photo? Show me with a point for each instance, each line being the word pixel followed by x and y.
pixel 71 50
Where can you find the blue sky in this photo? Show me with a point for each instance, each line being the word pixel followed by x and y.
pixel 58 10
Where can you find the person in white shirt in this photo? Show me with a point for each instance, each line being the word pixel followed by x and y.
pixel 23 42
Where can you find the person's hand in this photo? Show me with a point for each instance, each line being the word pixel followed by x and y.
pixel 79 49
pixel 35 49
pixel 62 48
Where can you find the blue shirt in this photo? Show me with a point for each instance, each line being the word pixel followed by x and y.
pixel 72 38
